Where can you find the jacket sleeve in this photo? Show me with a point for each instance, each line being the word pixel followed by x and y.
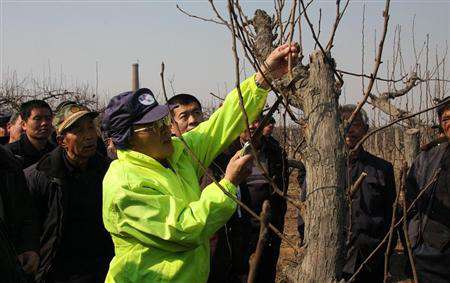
pixel 211 137
pixel 21 214
pixel 169 223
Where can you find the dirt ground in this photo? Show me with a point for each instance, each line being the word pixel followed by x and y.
pixel 287 256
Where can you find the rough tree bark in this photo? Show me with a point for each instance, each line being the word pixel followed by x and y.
pixel 313 90
pixel 411 144
pixel 325 178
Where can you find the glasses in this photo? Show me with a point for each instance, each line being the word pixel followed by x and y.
pixel 156 125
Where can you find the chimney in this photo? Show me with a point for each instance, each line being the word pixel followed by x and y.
pixel 135 77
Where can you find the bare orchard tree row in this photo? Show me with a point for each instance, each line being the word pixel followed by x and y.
pixel 15 90
pixel 314 87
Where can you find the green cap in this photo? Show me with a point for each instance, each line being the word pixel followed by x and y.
pixel 69 114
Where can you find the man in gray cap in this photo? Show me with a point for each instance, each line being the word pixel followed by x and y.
pixel 429 220
pixel 67 187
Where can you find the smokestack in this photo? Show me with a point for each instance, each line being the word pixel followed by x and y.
pixel 135 77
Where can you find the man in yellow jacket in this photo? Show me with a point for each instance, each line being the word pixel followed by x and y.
pixel 159 219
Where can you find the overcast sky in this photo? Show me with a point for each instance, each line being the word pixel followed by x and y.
pixel 69 37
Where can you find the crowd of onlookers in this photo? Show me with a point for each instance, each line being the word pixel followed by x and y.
pixel 54 194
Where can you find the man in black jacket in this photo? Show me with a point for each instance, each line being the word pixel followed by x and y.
pixel 370 210
pixel 67 187
pixel 239 237
pixel 17 218
pixel 429 220
pixel 34 143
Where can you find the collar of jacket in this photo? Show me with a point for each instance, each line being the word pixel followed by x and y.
pixel 53 164
pixel 359 156
pixel 141 159
pixel 26 145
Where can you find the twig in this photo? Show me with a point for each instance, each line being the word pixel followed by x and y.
pixel 211 2
pixel 316 39
pixel 319 26
pixel 300 12
pixel 405 228
pixel 311 27
pixel 262 239
pixel 278 9
pixel 363 46
pixel 300 42
pixel 412 81
pixel 216 96
pixel 339 16
pixel 236 61
pixel 291 35
pixel 391 230
pixel 200 18
pixel 350 193
pixel 355 187
pixel 376 67
pixel 369 77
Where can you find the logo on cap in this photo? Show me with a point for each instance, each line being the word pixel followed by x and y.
pixel 146 99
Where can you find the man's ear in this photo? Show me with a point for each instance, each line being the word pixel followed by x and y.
pixel 23 124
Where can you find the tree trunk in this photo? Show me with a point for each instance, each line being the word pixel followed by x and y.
pixel 412 145
pixel 313 90
pixel 325 178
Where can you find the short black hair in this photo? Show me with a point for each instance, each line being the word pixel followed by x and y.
pixel 27 107
pixel 183 99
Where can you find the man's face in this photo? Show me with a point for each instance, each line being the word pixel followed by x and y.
pixel 154 139
pixel 80 140
pixel 15 130
pixel 445 121
pixel 268 130
pixel 356 131
pixel 39 124
pixel 187 117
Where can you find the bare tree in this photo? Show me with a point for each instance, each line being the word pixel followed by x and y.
pixel 314 88
pixel 15 90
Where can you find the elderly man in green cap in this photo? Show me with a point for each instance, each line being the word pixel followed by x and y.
pixel 67 187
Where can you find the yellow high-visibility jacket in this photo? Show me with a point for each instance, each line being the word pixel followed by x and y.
pixel 158 218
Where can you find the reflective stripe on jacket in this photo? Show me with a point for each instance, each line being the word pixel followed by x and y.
pixel 159 219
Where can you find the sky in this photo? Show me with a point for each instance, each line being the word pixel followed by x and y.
pixel 67 39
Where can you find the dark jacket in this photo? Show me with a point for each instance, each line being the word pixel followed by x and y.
pixel 18 227
pixel 371 210
pixel 27 153
pixel 419 175
pixel 428 221
pixel 51 182
pixel 237 240
pixel 19 211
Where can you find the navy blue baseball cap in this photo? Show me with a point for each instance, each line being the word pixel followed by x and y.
pixel 131 108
